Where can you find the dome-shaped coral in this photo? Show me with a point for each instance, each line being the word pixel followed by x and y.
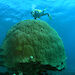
pixel 34 40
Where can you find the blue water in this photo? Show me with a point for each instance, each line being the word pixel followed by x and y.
pixel 63 20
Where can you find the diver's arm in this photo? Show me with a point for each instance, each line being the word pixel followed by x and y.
pixel 44 10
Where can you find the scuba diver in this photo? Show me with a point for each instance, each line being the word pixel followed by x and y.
pixel 36 13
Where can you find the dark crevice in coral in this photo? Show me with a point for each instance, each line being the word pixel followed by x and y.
pixel 32 68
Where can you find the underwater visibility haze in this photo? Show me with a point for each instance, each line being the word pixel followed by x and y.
pixel 50 21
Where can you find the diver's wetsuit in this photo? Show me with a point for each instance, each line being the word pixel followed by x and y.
pixel 38 14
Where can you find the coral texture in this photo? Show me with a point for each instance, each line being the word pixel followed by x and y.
pixel 34 40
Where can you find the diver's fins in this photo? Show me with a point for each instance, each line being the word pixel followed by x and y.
pixel 50 17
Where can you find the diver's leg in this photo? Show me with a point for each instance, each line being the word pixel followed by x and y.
pixel 50 17
pixel 46 14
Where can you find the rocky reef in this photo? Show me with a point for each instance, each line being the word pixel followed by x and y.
pixel 33 46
